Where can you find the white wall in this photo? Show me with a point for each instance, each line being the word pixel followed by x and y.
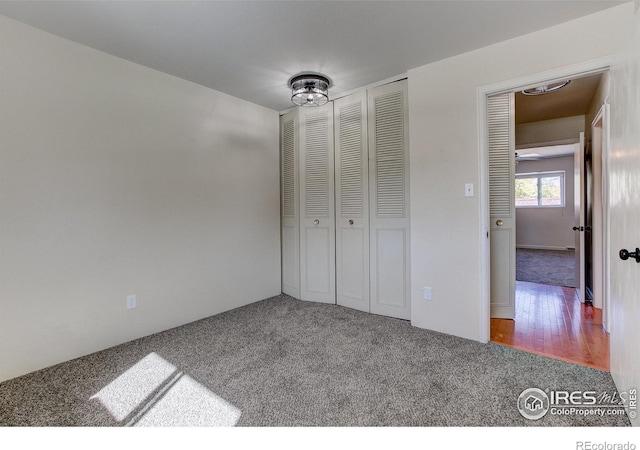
pixel 625 215
pixel 565 129
pixel 446 226
pixel 116 179
pixel 599 98
pixel 547 227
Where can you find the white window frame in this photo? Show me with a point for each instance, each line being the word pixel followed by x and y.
pixel 546 174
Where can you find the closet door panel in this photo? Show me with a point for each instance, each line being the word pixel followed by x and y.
pixel 317 205
pixel 391 267
pixel 352 204
pixel 389 200
pixel 353 290
pixel 289 190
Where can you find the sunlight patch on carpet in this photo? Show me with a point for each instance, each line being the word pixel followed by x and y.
pixel 187 404
pixel 154 393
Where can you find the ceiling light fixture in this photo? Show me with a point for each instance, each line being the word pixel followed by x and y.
pixel 546 88
pixel 309 89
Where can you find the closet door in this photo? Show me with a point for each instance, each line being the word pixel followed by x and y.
pixel 289 201
pixel 352 202
pixel 317 205
pixel 502 212
pixel 389 200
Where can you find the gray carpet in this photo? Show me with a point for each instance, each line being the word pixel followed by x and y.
pixel 284 362
pixel 554 267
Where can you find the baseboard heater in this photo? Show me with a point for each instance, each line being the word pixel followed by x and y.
pixel 545 247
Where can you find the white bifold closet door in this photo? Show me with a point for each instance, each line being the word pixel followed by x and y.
pixel 389 254
pixel 290 225
pixel 502 212
pixel 317 204
pixel 352 201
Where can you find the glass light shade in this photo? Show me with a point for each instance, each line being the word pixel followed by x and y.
pixel 309 90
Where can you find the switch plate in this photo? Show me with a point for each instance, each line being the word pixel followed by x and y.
pixel 132 301
pixel 427 293
pixel 468 190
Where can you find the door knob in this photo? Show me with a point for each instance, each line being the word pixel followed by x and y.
pixel 626 254
pixel 316 222
pixel 499 222
pixel 578 228
pixel 350 221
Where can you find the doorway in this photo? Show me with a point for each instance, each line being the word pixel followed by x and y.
pixel 555 232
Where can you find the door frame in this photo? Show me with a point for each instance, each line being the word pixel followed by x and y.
pixel 528 81
pixel 603 117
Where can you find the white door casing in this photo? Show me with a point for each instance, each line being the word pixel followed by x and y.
pixel 579 216
pixel 600 134
pixel 389 200
pixel 317 205
pixel 483 94
pixel 352 201
pixel 501 146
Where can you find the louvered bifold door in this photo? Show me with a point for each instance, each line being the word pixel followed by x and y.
pixel 317 223
pixel 290 224
pixel 501 136
pixel 389 200
pixel 352 201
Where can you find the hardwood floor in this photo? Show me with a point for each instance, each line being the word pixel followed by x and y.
pixel 550 320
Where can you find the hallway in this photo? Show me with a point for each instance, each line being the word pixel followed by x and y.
pixel 550 320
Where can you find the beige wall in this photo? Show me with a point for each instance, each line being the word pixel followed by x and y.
pixel 565 129
pixel 625 215
pixel 116 179
pixel 446 227
pixel 547 227
pixel 601 95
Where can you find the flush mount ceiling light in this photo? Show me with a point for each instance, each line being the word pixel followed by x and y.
pixel 309 89
pixel 546 88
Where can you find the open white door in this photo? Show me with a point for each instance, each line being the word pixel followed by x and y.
pixel 579 216
pixel 501 135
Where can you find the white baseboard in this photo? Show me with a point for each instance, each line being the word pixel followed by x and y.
pixel 544 247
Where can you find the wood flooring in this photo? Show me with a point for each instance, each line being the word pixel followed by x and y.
pixel 551 321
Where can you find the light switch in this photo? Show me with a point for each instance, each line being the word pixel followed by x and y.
pixel 468 190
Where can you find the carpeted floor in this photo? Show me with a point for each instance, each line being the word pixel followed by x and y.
pixel 554 267
pixel 284 362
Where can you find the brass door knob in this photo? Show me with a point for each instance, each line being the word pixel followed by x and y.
pixel 499 222
pixel 316 222
pixel 350 221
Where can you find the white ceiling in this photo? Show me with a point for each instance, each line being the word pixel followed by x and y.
pixel 250 49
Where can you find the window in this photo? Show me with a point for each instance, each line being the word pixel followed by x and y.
pixel 540 190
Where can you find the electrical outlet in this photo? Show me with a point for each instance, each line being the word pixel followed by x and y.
pixel 427 293
pixel 132 301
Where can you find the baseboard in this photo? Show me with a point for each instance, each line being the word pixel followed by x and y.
pixel 544 247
